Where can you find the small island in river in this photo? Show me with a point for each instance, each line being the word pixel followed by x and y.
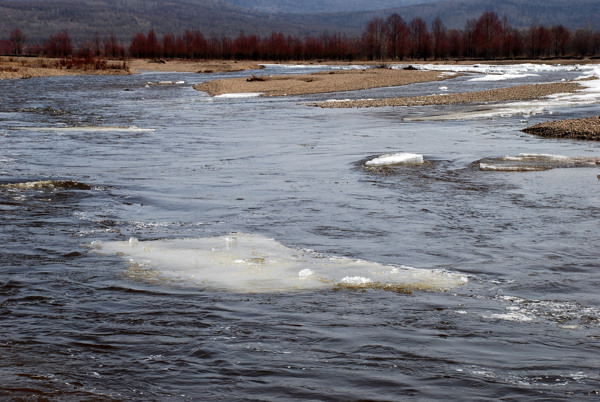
pixel 579 129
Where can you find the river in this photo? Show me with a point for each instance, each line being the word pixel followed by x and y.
pixel 161 244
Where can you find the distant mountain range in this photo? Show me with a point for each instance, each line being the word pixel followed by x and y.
pixel 39 19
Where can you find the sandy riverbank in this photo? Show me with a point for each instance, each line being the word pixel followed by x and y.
pixel 320 82
pixel 30 67
pixel 579 129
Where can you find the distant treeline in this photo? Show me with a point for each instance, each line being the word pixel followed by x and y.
pixel 392 38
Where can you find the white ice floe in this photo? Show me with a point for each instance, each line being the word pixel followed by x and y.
pixel 589 80
pixel 489 69
pixel 502 77
pixel 240 95
pixel 251 263
pixel 509 168
pixel 85 129
pixel 164 83
pixel 528 162
pixel 402 158
pixel 317 66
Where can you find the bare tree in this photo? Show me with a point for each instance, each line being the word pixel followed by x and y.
pixel 440 44
pixel 17 38
pixel 398 37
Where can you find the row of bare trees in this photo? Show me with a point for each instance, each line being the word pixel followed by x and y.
pixel 392 38
pixel 488 37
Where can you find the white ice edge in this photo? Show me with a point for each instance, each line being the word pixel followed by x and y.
pixel 514 69
pixel 589 80
pixel 252 263
pixel 318 66
pixel 401 158
pixel 531 162
pixel 240 95
pixel 129 129
pixel 501 77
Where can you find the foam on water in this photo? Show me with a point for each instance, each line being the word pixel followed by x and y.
pixel 401 158
pixel 250 263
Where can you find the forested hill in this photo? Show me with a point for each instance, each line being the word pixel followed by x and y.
pixel 39 19
pixel 321 6
pixel 573 14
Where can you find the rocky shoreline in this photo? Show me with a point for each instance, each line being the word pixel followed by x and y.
pixel 578 129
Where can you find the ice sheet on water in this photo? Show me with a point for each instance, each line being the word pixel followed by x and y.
pixel 488 69
pixel 87 129
pixel 501 77
pixel 401 158
pixel 527 162
pixel 250 263
pixel 317 66
pixel 240 95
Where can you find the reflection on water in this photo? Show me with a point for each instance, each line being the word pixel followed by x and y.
pixel 206 213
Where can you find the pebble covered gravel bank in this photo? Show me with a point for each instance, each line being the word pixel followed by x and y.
pixel 580 129
pixel 516 93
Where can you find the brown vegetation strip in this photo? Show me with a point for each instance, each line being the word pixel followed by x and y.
pixel 30 67
pixel 579 129
pixel 321 82
pixel 517 93
pixel 191 66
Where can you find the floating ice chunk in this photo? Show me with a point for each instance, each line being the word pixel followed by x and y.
pixel 528 162
pixel 258 264
pixel 86 129
pixel 536 157
pixel 133 242
pixel 402 158
pixel 443 88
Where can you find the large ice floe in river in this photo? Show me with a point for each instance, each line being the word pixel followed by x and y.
pixel 535 162
pixel 250 263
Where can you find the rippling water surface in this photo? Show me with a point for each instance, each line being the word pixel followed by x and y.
pixel 159 244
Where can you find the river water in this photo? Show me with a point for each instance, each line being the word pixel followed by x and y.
pixel 160 244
